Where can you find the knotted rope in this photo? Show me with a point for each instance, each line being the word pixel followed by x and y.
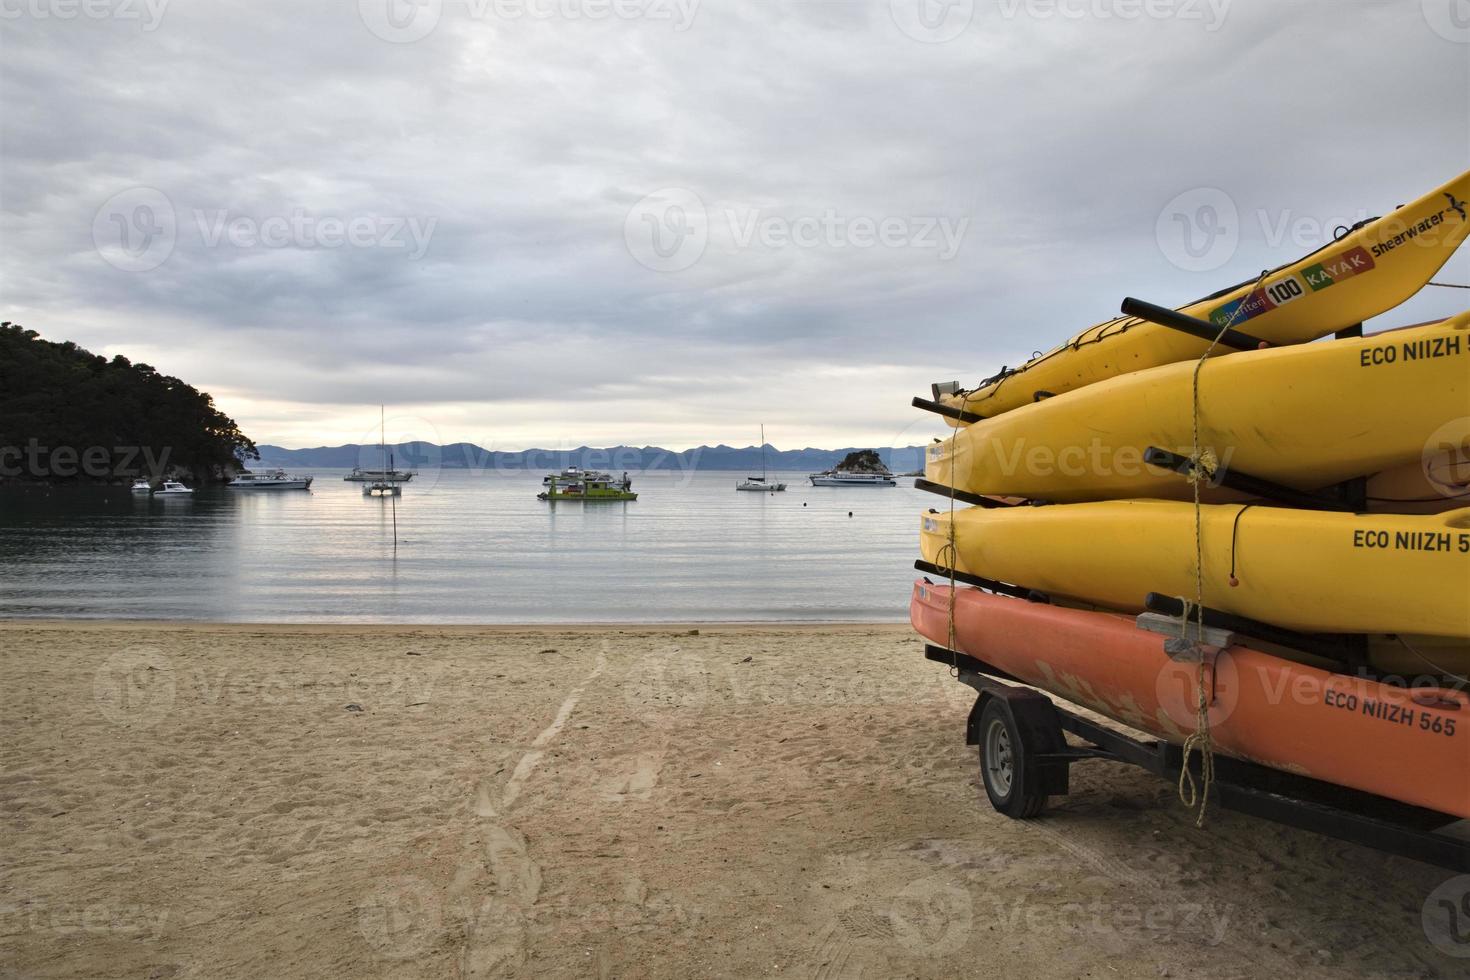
pixel 1202 468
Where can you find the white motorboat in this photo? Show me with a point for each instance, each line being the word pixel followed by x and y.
pixel 761 484
pixel 269 480
pixel 142 486
pixel 172 488
pixel 853 478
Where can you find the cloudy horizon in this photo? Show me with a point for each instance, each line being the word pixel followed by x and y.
pixel 549 223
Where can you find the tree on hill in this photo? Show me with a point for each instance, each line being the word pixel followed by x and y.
pixel 863 461
pixel 66 413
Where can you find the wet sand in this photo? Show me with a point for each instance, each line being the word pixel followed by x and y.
pixel 199 800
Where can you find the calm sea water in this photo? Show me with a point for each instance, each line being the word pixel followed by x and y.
pixel 473 547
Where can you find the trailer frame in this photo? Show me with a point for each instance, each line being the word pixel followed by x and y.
pixel 1045 761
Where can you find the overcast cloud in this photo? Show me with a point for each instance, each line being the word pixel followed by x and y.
pixel 547 222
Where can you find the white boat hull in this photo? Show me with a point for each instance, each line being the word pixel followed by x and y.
pixel 838 481
pixel 272 485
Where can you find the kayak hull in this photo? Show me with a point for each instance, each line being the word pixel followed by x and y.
pixel 1367 272
pixel 1411 746
pixel 1306 416
pixel 1310 571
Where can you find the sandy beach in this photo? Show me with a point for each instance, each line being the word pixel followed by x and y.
pixel 279 801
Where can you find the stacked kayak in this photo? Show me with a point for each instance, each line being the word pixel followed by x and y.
pixel 1307 416
pixel 1310 571
pixel 1267 709
pixel 1330 540
pixel 1369 271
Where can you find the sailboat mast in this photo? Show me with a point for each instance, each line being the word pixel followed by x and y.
pixel 763 452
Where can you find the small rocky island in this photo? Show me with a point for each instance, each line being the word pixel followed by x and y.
pixel 862 461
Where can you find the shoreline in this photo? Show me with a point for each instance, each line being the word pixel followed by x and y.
pixel 677 628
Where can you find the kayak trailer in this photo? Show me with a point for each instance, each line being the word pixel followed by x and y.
pixel 1025 758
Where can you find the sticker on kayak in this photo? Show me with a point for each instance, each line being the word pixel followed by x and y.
pixel 1313 279
pixel 931 525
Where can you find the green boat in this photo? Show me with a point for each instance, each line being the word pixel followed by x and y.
pixel 587 487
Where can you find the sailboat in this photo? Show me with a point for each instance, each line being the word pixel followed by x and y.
pixel 387 487
pixel 760 483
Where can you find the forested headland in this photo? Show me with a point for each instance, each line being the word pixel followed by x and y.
pixel 69 415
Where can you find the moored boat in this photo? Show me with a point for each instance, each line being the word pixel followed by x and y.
pixel 172 488
pixel 593 488
pixel 573 474
pixel 142 486
pixel 853 478
pixel 1408 744
pixel 761 484
pixel 359 475
pixel 274 479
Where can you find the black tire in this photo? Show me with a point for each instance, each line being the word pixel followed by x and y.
pixel 1010 782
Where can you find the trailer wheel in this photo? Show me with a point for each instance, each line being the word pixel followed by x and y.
pixel 1011 784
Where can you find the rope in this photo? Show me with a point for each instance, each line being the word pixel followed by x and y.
pixel 1202 467
pixel 1449 285
pixel 1442 670
pixel 950 553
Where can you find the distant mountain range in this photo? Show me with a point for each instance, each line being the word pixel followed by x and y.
pixel 465 455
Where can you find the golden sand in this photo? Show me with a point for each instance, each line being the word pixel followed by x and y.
pixel 302 801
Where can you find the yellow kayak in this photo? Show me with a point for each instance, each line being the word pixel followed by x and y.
pixel 1311 571
pixel 1365 273
pixel 1307 416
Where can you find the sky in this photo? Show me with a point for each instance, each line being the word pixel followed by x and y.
pixel 549 223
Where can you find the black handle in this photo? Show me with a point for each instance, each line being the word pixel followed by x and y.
pixel 1185 323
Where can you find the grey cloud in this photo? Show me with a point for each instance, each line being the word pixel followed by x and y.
pixel 527 142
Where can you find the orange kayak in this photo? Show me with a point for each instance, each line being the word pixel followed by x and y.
pixel 1409 745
